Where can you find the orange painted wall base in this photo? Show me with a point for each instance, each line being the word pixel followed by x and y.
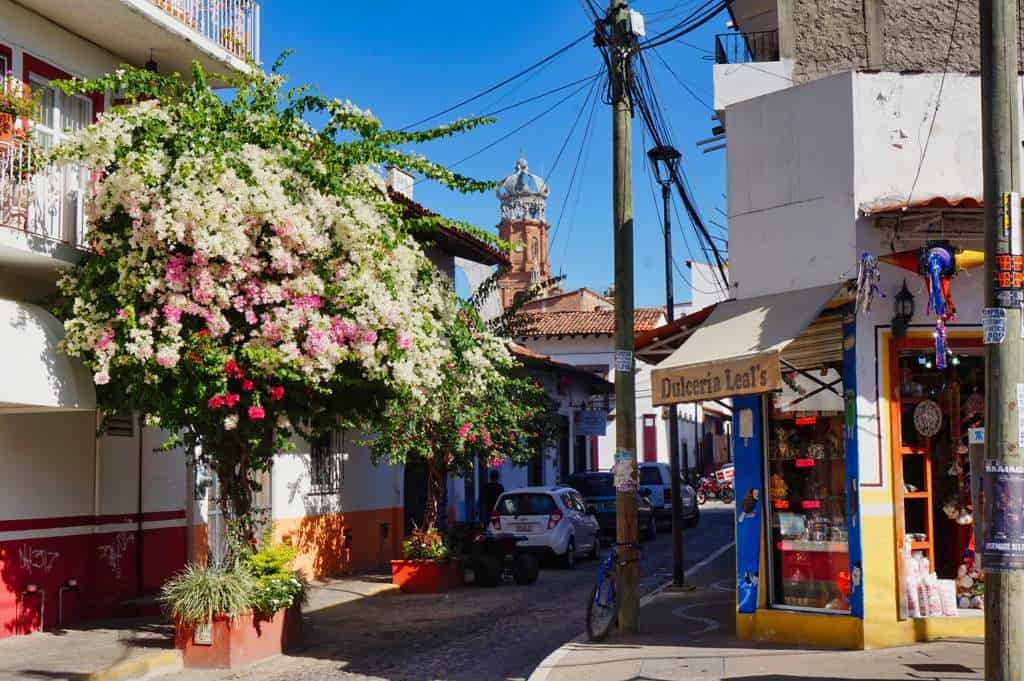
pixel 337 544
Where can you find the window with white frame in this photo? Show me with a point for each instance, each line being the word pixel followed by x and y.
pixel 57 210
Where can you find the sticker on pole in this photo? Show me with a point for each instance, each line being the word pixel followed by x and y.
pixel 1003 489
pixel 623 360
pixel 993 325
pixel 624 470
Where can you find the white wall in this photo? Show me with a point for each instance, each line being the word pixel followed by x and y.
pixel 163 474
pixel 25 30
pixel 790 188
pixel 737 82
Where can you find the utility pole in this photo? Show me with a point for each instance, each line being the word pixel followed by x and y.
pixel 621 47
pixel 667 156
pixel 1004 359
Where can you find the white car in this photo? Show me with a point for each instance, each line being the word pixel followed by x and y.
pixel 554 520
pixel 656 479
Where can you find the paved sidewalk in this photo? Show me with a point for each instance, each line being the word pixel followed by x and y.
pixel 690 637
pixel 131 648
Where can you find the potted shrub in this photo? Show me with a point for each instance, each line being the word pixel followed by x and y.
pixel 427 565
pixel 234 613
pixel 15 103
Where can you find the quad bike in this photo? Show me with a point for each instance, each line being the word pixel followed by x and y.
pixel 492 559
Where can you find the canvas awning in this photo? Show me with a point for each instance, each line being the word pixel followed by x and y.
pixel 738 349
pixel 39 377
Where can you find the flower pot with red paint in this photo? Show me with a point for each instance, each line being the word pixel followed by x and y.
pixel 229 643
pixel 424 576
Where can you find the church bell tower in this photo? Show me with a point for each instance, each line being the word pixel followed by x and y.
pixel 523 197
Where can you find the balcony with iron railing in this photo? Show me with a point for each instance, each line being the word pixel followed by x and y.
pixel 42 217
pixel 746 48
pixel 748 65
pixel 222 35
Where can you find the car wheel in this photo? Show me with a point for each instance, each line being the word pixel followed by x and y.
pixel 595 549
pixel 728 495
pixel 569 557
pixel 488 571
pixel 702 497
pixel 526 569
pixel 694 519
pixel 651 530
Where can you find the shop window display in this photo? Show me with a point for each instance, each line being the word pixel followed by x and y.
pixel 936 410
pixel 807 507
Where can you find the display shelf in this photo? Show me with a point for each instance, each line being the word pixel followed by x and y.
pixel 813 546
pixel 921 546
pixel 914 451
pixel 917 495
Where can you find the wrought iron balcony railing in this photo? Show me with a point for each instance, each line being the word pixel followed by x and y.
pixel 42 201
pixel 743 48
pixel 232 24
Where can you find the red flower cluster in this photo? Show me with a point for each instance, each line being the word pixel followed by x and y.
pixel 247 385
pixel 215 402
pixel 276 393
pixel 232 369
pixel 231 400
pixel 256 413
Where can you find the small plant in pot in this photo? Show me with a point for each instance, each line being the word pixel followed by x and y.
pixel 426 565
pixel 16 104
pixel 237 610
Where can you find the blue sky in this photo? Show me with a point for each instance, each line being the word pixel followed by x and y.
pixel 408 59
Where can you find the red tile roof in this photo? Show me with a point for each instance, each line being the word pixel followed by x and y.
pixel 597 322
pixel 932 202
pixel 451 240
pixel 536 359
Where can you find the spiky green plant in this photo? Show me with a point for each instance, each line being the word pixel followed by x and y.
pixel 199 592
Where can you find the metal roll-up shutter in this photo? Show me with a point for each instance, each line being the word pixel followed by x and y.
pixel 820 345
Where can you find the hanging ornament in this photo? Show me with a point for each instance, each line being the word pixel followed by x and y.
pixel 927 418
pixel 868 278
pixel 938 265
pixel 940 343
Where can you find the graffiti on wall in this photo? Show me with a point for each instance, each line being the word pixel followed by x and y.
pixel 114 553
pixel 36 560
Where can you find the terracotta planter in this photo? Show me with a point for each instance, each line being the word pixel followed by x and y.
pixel 6 127
pixel 424 576
pixel 238 642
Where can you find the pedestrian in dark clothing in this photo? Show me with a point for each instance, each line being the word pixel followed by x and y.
pixel 489 494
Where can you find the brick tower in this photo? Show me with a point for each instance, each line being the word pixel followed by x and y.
pixel 523 198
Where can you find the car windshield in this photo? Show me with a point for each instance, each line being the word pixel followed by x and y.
pixel 594 485
pixel 649 475
pixel 526 504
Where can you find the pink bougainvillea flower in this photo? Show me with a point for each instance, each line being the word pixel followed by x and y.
pixel 231 399
pixel 464 429
pixel 256 413
pixel 247 385
pixel 404 342
pixel 471 439
pixel 495 462
pixel 276 393
pixel 215 402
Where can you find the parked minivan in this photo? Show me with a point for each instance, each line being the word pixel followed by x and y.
pixel 656 478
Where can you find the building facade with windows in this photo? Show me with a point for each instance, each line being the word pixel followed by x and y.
pixel 87 524
pixel 855 416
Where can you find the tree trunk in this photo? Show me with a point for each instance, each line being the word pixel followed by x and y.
pixel 435 492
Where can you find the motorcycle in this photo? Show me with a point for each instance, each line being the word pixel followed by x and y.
pixel 710 486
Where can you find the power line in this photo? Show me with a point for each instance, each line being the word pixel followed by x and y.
pixel 572 180
pixel 938 100
pixel 542 95
pixel 683 83
pixel 557 53
pixel 572 131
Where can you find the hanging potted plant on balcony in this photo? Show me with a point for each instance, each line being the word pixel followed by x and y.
pixel 16 104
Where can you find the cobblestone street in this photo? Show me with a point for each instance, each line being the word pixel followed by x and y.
pixel 470 634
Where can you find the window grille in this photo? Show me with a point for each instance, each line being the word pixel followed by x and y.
pixel 325 466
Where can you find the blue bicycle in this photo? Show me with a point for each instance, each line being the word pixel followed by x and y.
pixel 603 607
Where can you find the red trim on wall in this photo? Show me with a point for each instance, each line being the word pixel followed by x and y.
pixel 8 54
pixel 650 438
pixel 51 72
pixel 86 520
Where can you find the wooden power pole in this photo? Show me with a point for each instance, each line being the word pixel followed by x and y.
pixel 1004 351
pixel 626 476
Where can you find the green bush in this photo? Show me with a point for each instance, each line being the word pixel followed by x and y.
pixel 425 545
pixel 199 592
pixel 278 585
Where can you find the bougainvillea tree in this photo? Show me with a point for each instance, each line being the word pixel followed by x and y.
pixel 251 280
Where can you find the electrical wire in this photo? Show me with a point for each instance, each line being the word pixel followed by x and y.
pixel 938 100
pixel 572 180
pixel 683 83
pixel 708 11
pixel 572 131
pixel 554 55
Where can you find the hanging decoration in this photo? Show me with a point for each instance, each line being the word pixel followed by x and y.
pixel 937 262
pixel 868 278
pixel 927 418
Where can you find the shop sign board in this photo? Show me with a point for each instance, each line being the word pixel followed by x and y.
pixel 1003 493
pixel 751 375
pixel 591 422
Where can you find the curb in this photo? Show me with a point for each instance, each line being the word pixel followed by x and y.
pixel 142 665
pixel 543 670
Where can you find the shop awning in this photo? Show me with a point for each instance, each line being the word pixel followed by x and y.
pixel 38 376
pixel 738 349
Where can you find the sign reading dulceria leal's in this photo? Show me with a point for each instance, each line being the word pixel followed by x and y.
pixel 728 378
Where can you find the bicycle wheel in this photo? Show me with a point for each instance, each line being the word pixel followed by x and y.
pixel 602 610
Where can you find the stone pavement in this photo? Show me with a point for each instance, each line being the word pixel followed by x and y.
pixel 690 637
pixel 132 648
